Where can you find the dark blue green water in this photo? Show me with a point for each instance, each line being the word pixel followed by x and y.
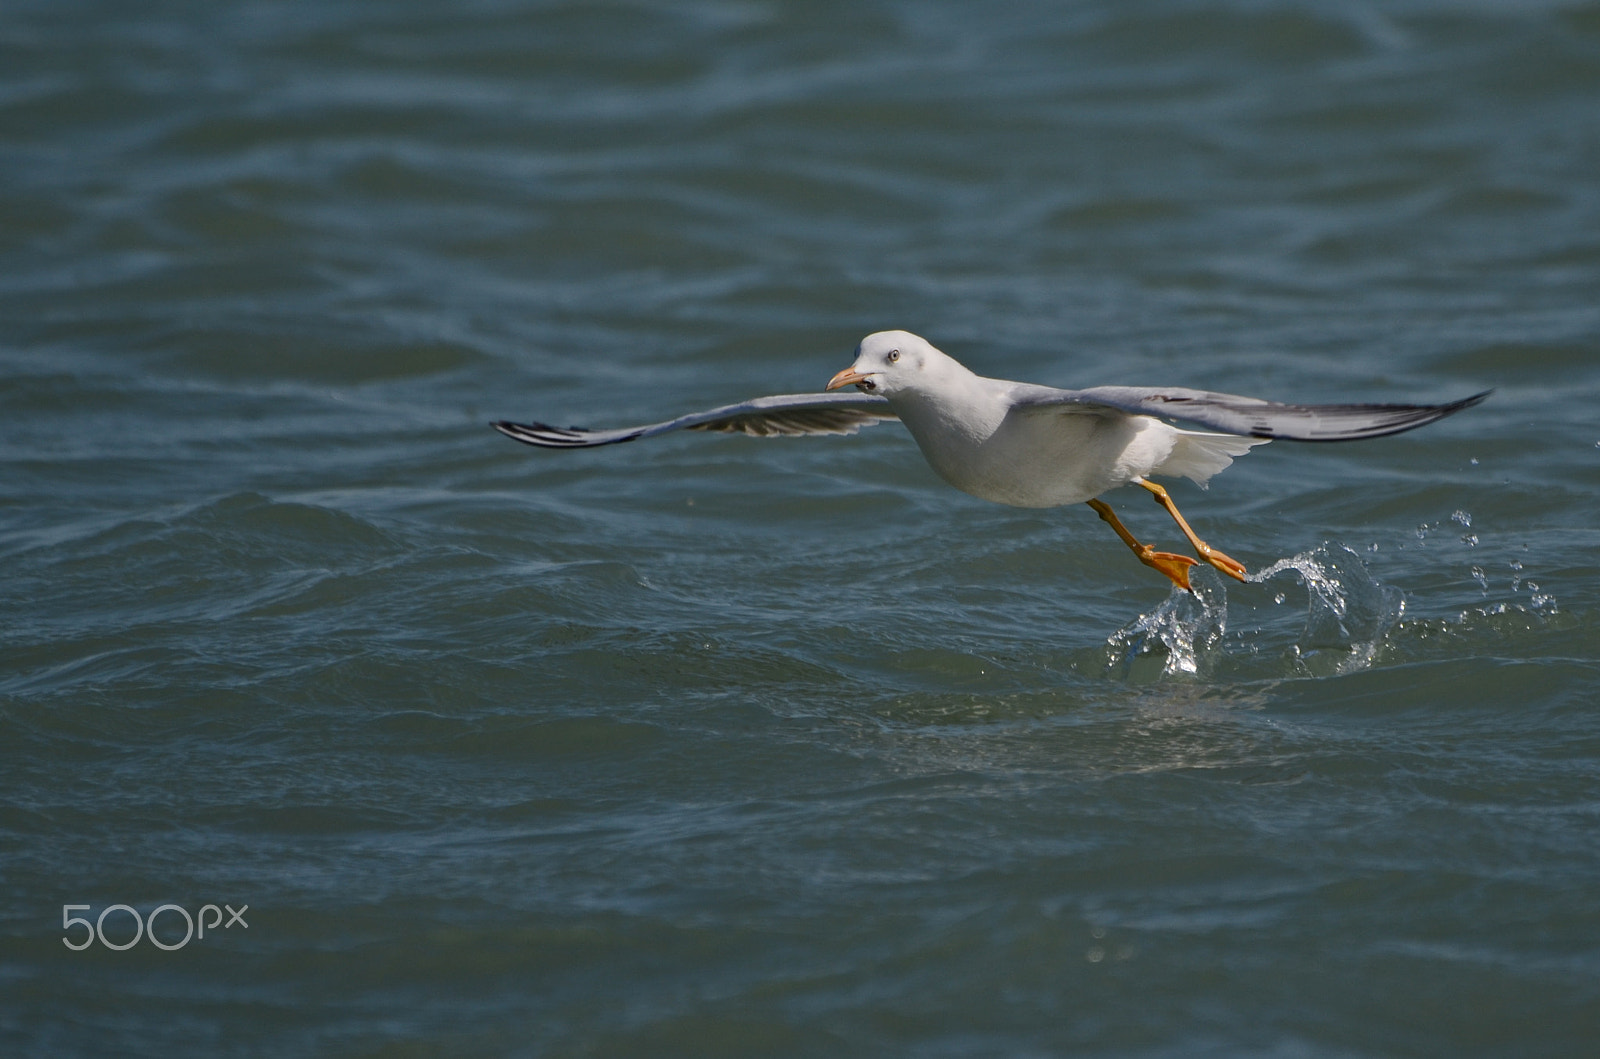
pixel 723 746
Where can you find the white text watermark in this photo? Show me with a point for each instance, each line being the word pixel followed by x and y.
pixel 144 927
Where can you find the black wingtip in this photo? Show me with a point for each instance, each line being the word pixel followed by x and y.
pixel 1452 407
pixel 515 430
pixel 539 434
pixel 1398 419
pixel 548 437
pixel 1434 413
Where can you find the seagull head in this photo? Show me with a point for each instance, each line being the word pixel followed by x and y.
pixel 889 362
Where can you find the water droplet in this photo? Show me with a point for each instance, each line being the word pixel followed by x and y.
pixel 1095 955
pixel 1470 540
pixel 1473 461
pixel 1482 578
pixel 1279 598
pixel 1463 517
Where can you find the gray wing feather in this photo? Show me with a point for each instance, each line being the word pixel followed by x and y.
pixel 1249 416
pixel 782 415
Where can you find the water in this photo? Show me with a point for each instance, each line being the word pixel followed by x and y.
pixel 722 746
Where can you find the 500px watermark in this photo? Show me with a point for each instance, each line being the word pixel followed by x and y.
pixel 97 929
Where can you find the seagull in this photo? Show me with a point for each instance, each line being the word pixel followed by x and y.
pixel 1027 445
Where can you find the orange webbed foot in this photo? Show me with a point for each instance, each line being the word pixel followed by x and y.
pixel 1174 566
pixel 1232 567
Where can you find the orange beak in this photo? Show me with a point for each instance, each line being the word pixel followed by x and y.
pixel 847 377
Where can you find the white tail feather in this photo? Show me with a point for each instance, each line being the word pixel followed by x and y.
pixel 1197 456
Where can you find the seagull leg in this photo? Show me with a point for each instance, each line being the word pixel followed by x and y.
pixel 1232 567
pixel 1175 567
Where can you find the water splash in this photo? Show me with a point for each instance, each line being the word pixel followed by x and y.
pixel 1348 614
pixel 1177 633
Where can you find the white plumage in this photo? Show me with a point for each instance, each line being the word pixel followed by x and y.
pixel 1033 446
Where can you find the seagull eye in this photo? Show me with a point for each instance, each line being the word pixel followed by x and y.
pixel 894 355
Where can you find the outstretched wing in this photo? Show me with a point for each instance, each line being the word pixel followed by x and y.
pixel 782 415
pixel 1249 416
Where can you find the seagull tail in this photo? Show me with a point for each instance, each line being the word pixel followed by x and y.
pixel 1197 455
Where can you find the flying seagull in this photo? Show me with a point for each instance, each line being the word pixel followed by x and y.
pixel 1034 446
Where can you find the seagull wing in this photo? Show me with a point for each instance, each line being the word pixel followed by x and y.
pixel 781 415
pixel 1248 416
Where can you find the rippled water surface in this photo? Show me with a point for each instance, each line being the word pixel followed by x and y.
pixel 726 746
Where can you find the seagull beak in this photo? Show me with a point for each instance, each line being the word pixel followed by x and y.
pixel 847 377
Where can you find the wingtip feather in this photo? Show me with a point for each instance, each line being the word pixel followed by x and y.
pixel 542 435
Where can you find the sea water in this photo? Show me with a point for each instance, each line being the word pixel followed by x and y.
pixel 332 722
